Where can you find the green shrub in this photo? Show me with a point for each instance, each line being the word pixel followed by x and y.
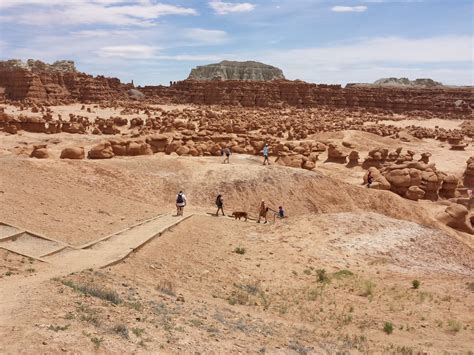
pixel 388 328
pixel 415 284
pixel 239 250
pixel 94 291
pixel 322 275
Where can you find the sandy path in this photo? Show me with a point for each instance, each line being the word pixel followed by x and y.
pixel 16 292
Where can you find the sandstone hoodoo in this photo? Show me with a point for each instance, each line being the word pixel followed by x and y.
pixel 232 70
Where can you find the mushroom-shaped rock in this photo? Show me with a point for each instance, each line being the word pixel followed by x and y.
pixel 469 173
pixel 414 193
pixel 73 153
pixel 425 158
pixel 430 183
pixel 101 151
pixel 449 186
pixel 40 152
pixel 335 154
pixel 456 216
pixel 354 157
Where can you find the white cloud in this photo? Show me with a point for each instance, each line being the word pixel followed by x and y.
pixel 108 12
pixel 360 8
pixel 128 51
pixel 223 8
pixel 206 36
pixel 192 57
pixel 370 59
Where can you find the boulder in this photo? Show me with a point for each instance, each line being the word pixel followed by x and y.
pixel 138 148
pixel 73 153
pixel 40 151
pixel 101 151
pixel 414 193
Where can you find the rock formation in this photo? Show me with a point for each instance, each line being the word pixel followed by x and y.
pixel 457 216
pixel 469 173
pixel 299 94
pixel 424 83
pixel 58 82
pixel 231 70
pixel 40 151
pixel 73 153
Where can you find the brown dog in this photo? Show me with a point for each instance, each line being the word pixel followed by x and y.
pixel 240 215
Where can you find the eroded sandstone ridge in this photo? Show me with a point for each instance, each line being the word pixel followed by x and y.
pixel 38 81
pixel 456 102
pixel 231 70
pixel 61 83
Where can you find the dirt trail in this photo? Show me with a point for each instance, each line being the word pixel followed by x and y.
pixel 16 291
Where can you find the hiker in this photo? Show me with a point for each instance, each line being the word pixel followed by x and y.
pixel 265 154
pixel 370 179
pixel 180 203
pixel 226 151
pixel 220 204
pixel 262 212
pixel 281 212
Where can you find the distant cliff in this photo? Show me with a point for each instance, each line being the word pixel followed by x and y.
pixel 60 81
pixel 230 70
pixel 425 83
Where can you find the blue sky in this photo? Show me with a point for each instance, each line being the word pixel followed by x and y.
pixel 153 41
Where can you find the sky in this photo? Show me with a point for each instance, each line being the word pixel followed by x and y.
pixel 156 41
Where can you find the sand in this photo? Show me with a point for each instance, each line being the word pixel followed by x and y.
pixel 336 276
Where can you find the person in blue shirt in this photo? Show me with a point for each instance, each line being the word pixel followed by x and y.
pixel 265 154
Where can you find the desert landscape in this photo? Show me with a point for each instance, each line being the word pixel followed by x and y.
pixel 95 260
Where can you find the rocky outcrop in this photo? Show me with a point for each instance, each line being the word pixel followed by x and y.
pixel 40 151
pixel 424 83
pixel 73 153
pixel 450 102
pixel 457 216
pixel 231 70
pixel 57 82
pixel 469 173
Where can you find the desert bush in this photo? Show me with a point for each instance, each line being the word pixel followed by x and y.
pixel 138 332
pixel 342 273
pixel 57 328
pixel 122 330
pixel 415 284
pixel 367 288
pixel 166 287
pixel 94 291
pixel 322 275
pixel 239 250
pixel 388 328
pixel 454 326
pixel 97 341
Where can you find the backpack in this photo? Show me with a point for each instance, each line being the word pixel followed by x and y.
pixel 180 198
